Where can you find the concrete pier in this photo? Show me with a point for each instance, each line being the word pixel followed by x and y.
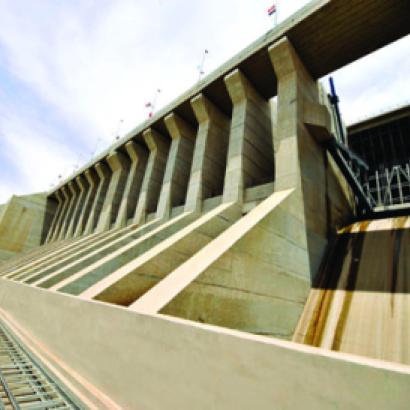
pixel 138 156
pixel 209 158
pixel 57 216
pixel 104 180
pixel 158 147
pixel 92 181
pixel 74 195
pixel 83 187
pixel 119 165
pixel 250 154
pixel 301 162
pixel 65 199
pixel 178 167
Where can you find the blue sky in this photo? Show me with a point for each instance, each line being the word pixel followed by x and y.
pixel 70 70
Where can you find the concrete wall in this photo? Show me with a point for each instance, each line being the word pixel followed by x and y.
pixel 22 223
pixel 154 362
pixel 241 89
pixel 282 250
pixel 2 208
pixel 253 275
pixel 320 201
pixel 189 162
pixel 257 284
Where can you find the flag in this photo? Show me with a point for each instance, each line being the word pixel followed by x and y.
pixel 272 9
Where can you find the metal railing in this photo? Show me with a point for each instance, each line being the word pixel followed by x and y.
pixel 374 189
pixel 388 187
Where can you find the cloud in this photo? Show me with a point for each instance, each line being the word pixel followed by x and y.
pixel 31 157
pixel 376 82
pixel 75 68
pixel 100 61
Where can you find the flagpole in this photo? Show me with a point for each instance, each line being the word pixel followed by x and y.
pixel 152 104
pixel 273 11
pixel 202 65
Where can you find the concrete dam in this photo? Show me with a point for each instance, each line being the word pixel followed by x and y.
pixel 242 248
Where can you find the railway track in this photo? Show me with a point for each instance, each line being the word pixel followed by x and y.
pixel 24 383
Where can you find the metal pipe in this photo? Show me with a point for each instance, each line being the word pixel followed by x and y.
pixel 334 100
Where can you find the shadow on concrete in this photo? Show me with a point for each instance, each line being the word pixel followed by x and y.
pixel 373 261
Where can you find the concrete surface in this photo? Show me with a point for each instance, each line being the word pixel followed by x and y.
pixel 21 224
pixel 220 210
pixel 180 364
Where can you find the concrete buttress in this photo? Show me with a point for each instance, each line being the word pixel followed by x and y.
pixel 82 185
pixel 56 216
pixel 104 177
pixel 300 160
pixel 176 177
pixel 65 199
pixel 250 153
pixel 209 158
pixel 119 165
pixel 74 194
pixel 139 157
pixel 158 147
pixel 88 202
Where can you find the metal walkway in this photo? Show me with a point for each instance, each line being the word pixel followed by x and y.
pixel 24 383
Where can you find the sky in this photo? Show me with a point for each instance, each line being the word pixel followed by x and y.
pixel 74 74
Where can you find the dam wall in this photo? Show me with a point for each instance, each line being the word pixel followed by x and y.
pixel 193 262
pixel 24 221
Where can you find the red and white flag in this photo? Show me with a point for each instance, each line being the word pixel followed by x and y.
pixel 272 9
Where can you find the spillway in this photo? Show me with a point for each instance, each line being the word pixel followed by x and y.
pixel 360 303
